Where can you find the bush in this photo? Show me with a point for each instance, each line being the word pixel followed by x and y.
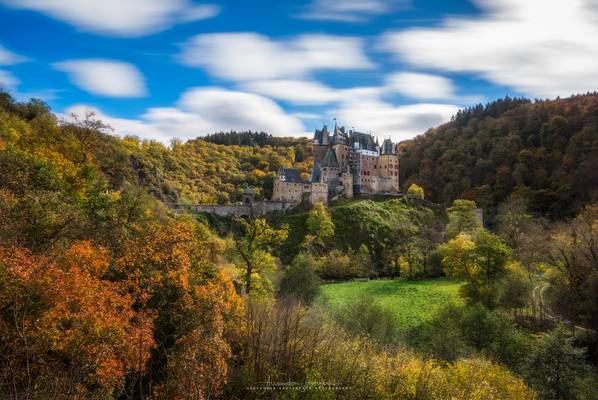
pixel 340 265
pixel 460 331
pixel 368 318
pixel 300 281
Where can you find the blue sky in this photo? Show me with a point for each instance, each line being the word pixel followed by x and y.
pixel 160 69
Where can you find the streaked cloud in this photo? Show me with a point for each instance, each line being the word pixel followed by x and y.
pixel 105 77
pixel 421 86
pixel 127 18
pixel 8 81
pixel 251 56
pixel 309 92
pixel 398 122
pixel 200 111
pixel 350 10
pixel 7 57
pixel 542 48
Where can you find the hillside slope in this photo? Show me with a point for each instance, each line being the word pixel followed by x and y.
pixel 196 171
pixel 545 150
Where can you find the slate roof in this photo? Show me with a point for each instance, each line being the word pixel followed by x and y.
pixel 290 175
pixel 316 173
pixel 329 159
pixel 321 134
pixel 365 140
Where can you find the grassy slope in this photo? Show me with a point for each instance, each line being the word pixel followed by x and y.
pixel 413 301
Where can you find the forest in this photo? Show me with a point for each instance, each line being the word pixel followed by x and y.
pixel 545 150
pixel 106 293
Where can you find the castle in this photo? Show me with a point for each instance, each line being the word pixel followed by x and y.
pixel 346 163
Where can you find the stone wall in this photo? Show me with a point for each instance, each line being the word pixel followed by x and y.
pixel 289 191
pixel 319 193
pixel 256 208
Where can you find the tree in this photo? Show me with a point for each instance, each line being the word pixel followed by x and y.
pixel 85 131
pixel 525 234
pixel 462 218
pixel 416 191
pixel 319 226
pixel 515 288
pixel 481 261
pixel 66 332
pixel 364 316
pixel 573 256
pixel 300 281
pixel 513 219
pixel 555 367
pixel 252 238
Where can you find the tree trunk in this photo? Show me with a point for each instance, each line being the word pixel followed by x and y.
pixel 248 273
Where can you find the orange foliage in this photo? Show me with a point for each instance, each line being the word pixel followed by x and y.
pixel 199 366
pixel 75 332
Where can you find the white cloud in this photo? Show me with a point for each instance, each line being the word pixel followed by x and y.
pixel 105 77
pixel 310 92
pixel 398 122
pixel 538 47
pixel 121 126
pixel 7 57
pixel 127 18
pixel 295 91
pixel 250 56
pixel 350 10
pixel 8 81
pixel 421 86
pixel 205 110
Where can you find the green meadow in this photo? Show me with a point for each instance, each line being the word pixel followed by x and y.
pixel 413 302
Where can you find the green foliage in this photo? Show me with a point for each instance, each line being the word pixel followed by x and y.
pixel 461 331
pixel 251 139
pixel 320 227
pixel 547 148
pixel 364 316
pixel 462 218
pixel 300 281
pixel 385 229
pixel 254 238
pixel 556 368
pixel 481 261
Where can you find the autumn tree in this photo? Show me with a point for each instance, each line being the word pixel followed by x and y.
pixel 66 332
pixel 462 218
pixel 572 254
pixel 253 239
pixel 319 225
pixel 481 260
pixel 416 191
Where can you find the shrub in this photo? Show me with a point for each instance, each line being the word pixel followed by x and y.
pixel 366 317
pixel 300 281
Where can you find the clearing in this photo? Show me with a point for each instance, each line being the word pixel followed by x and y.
pixel 413 302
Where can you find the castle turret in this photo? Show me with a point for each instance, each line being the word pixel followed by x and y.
pixel 387 147
pixel 325 136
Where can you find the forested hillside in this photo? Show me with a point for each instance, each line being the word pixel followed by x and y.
pixel 196 171
pixel 545 150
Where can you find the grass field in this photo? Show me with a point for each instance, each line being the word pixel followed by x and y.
pixel 412 301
